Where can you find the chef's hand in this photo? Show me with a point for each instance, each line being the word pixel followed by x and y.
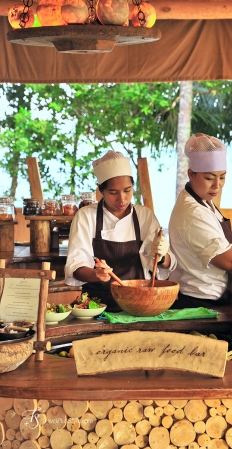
pixel 159 246
pixel 102 270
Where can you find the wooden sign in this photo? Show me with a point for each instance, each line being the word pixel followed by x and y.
pixel 138 350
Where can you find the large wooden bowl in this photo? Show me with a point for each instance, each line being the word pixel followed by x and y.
pixel 139 299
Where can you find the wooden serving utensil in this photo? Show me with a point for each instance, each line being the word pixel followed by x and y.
pixel 113 275
pixel 16 328
pixel 155 263
pixel 116 278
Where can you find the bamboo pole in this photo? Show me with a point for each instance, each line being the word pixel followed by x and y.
pixel 41 321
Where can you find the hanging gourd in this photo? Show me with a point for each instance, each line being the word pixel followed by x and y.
pixel 74 11
pixel 143 15
pixel 49 12
pixel 16 14
pixel 112 12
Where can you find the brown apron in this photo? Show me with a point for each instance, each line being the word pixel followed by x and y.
pixel 123 257
pixel 189 301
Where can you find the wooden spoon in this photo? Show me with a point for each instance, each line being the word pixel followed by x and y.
pixel 155 263
pixel 113 275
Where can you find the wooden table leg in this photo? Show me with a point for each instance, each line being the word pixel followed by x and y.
pixel 40 236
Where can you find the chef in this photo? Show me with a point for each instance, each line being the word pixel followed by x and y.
pixel 200 236
pixel 123 237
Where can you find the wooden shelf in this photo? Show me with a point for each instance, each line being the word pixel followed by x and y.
pixel 60 218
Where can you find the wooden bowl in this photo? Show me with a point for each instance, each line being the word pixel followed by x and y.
pixel 137 298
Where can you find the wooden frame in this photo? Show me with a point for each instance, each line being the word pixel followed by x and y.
pixel 45 274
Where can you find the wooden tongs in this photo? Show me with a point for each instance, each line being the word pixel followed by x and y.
pixel 156 258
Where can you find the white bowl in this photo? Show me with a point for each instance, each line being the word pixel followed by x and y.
pixel 54 317
pixel 88 314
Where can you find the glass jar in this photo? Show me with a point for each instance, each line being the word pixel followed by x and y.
pixel 31 206
pixel 7 210
pixel 50 207
pixel 69 204
pixel 87 198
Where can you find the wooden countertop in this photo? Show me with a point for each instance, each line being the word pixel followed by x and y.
pixel 56 378
pixel 22 257
pixel 73 328
pixel 22 253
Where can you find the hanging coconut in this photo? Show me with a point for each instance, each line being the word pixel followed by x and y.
pixel 112 12
pixel 145 11
pixel 14 17
pixel 49 13
pixel 74 11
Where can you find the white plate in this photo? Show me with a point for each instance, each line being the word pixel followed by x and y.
pixel 54 317
pixel 88 314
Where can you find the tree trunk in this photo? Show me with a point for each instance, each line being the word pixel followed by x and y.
pixel 183 132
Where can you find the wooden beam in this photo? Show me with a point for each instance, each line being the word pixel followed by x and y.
pixel 34 179
pixel 145 184
pixel 169 9
pixel 192 10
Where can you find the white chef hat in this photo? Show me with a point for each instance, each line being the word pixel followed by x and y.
pixel 205 153
pixel 112 164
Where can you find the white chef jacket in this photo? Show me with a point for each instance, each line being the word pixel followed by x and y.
pixel 82 232
pixel 196 237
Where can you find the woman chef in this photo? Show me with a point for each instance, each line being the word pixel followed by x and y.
pixel 200 236
pixel 123 237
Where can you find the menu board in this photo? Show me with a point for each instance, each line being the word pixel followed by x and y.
pixel 20 299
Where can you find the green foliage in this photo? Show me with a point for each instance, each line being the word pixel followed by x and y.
pixel 67 126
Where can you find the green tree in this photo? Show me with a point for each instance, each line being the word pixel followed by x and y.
pixel 67 126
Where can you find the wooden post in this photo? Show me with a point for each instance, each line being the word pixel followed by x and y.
pixel 7 235
pixel 40 236
pixel 145 182
pixel 34 179
pixel 41 321
pixel 2 265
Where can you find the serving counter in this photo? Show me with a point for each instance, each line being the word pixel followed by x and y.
pixel 73 328
pixel 45 404
pixel 23 257
pixel 56 378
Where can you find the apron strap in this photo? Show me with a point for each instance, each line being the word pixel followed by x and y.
pixel 99 222
pixel 225 224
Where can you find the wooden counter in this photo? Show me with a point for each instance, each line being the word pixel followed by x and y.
pixel 56 378
pixel 73 328
pixel 22 257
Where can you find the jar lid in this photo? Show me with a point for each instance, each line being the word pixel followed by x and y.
pixel 30 200
pixel 7 200
pixel 49 201
pixel 91 196
pixel 68 197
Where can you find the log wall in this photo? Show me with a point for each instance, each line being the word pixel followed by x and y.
pixel 155 424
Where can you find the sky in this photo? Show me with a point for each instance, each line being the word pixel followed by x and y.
pixel 163 186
